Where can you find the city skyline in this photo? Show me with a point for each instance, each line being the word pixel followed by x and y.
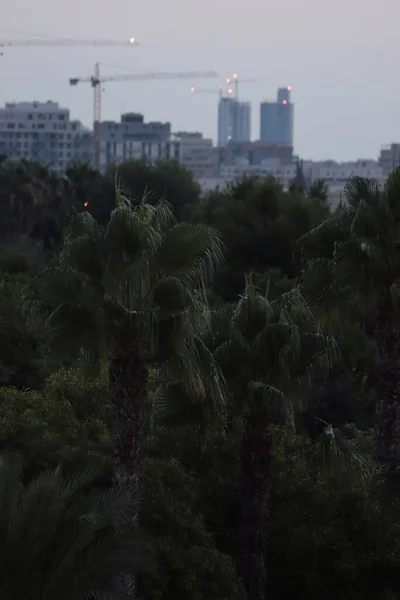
pixel 45 132
pixel 340 69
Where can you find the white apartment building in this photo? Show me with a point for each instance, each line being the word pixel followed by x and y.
pixel 339 173
pixel 268 167
pixel 241 167
pixel 336 175
pixel 41 131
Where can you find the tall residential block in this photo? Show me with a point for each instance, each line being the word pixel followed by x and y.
pixel 242 122
pixel 234 121
pixel 277 120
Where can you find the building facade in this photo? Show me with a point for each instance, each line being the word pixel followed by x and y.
pixel 242 122
pixel 269 167
pixel 277 120
pixel 255 153
pixel 132 138
pixel 225 121
pixel 42 131
pixel 198 154
pixel 336 175
pixel 234 121
pixel 389 158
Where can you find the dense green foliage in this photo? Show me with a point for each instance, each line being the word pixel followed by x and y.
pixel 266 363
pixel 59 537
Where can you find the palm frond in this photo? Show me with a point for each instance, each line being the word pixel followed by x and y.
pixel 274 403
pixel 192 252
pixel 337 454
pixel 63 542
pixel 359 189
pixel 128 235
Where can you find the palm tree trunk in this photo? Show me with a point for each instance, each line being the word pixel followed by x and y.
pixel 256 465
pixel 128 386
pixel 388 405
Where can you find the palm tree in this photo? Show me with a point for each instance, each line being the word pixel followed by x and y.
pixel 134 295
pixel 273 351
pixel 365 259
pixel 61 540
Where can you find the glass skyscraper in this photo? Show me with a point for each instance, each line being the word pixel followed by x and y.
pixel 277 120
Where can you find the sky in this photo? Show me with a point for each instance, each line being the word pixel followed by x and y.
pixel 341 59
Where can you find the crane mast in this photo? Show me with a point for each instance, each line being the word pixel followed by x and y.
pixel 96 81
pixel 96 84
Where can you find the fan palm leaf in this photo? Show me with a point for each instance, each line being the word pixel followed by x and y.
pixel 59 540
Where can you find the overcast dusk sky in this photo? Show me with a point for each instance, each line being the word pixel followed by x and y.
pixel 341 59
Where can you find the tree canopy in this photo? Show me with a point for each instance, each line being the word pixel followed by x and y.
pixel 199 393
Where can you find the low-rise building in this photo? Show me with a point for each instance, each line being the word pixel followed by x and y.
pixel 335 175
pixel 339 173
pixel 198 154
pixel 269 167
pixel 255 153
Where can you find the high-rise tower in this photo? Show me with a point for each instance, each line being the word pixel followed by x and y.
pixel 277 120
pixel 234 121
pixel 242 122
pixel 225 120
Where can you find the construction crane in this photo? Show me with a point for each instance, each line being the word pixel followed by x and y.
pixel 96 81
pixel 66 43
pixel 218 90
pixel 60 43
pixel 235 80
